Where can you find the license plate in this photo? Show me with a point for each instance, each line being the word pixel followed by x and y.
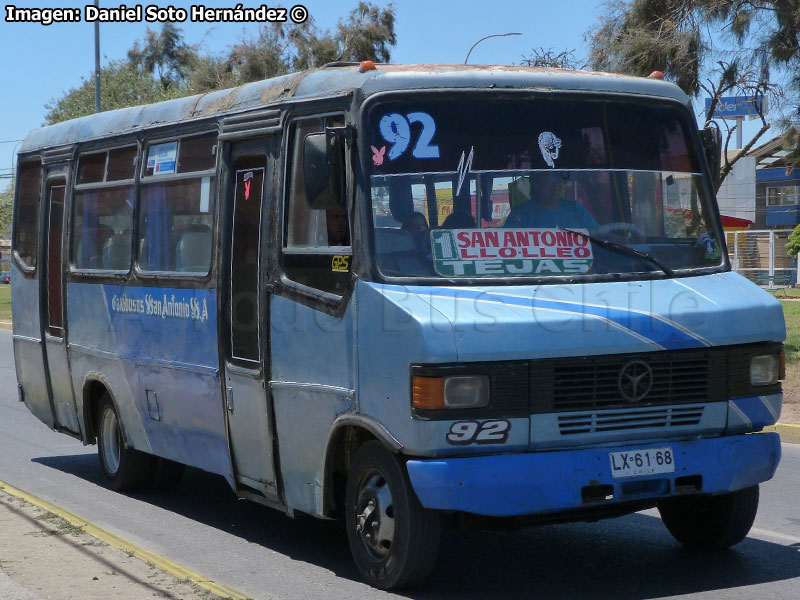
pixel 634 463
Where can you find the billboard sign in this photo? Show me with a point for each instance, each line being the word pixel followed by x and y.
pixel 737 106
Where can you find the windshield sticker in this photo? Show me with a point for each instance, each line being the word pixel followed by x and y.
pixel 162 158
pixel 549 145
pixel 503 252
pixel 396 129
pixel 377 155
pixel 463 168
pixel 710 246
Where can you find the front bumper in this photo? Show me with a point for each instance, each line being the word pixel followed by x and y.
pixel 540 482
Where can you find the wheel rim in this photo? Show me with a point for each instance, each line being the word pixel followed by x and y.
pixel 374 511
pixel 110 440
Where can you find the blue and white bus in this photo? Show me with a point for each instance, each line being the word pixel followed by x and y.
pixel 405 296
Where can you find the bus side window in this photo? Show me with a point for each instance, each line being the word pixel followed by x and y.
pixel 176 214
pixel 26 230
pixel 102 224
pixel 317 245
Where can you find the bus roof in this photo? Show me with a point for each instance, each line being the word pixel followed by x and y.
pixel 336 79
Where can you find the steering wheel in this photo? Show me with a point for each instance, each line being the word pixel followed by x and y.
pixel 621 227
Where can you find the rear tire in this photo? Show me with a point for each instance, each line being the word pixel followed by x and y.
pixel 711 521
pixel 124 468
pixel 393 539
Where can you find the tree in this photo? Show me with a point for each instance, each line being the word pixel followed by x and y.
pixel 121 85
pixel 163 66
pixel 165 55
pixel 367 33
pixel 539 57
pixel 6 209
pixel 716 47
pixel 793 243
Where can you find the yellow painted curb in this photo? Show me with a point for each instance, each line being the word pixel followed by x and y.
pixel 151 558
pixel 789 433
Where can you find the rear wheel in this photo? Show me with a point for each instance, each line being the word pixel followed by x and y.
pixel 711 521
pixel 393 539
pixel 124 468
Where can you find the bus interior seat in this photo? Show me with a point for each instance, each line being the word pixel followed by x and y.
pixel 102 234
pixel 193 252
pixel 117 252
pixel 397 253
pixel 144 248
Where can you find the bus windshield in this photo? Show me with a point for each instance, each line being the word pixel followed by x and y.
pixel 472 186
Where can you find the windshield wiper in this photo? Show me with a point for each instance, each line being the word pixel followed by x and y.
pixel 622 248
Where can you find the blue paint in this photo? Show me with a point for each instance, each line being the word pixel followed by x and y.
pixel 756 409
pixel 163 340
pixel 163 323
pixel 777 174
pixel 521 484
pixel 736 106
pixel 664 334
pixel 786 214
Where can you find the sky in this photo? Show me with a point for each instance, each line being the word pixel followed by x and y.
pixel 40 63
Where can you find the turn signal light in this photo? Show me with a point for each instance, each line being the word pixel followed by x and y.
pixel 427 393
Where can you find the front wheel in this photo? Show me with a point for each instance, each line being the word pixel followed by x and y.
pixel 393 539
pixel 711 521
pixel 124 468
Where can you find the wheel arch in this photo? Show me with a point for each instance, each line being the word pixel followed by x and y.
pixel 348 433
pixel 95 386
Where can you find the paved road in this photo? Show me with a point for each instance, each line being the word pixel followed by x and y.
pixel 262 553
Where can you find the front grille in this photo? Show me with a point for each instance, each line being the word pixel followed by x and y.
pixel 620 420
pixel 593 382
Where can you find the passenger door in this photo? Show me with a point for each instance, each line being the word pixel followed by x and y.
pixel 52 303
pixel 250 415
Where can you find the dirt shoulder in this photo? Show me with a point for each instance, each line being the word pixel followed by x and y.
pixel 45 556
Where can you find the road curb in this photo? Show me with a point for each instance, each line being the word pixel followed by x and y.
pixel 111 539
pixel 789 433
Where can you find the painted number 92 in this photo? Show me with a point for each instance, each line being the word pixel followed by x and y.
pixel 478 432
pixel 396 129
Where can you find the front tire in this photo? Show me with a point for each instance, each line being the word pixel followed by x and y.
pixel 393 539
pixel 711 521
pixel 124 468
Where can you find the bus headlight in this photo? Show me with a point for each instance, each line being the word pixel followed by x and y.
pixel 466 391
pixel 765 369
pixel 456 391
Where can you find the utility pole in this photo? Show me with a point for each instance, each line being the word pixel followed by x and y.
pixel 97 62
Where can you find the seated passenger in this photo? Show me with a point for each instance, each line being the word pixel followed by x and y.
pixel 459 219
pixel 549 208
pixel 417 225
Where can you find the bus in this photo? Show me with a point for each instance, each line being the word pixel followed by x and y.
pixel 405 296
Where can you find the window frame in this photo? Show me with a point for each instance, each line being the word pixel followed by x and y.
pixel 27 270
pixel 371 269
pixel 144 180
pixel 319 298
pixel 100 185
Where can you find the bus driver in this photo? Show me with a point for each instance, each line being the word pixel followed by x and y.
pixel 548 206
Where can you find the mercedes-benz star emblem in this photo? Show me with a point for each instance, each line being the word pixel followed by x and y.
pixel 635 380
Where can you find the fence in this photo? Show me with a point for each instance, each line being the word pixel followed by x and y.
pixel 760 255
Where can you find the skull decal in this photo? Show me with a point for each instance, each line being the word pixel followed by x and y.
pixel 549 145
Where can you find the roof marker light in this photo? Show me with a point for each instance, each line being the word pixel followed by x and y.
pixel 367 65
pixel 656 75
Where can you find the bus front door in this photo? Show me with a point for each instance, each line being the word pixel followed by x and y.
pixel 247 397
pixel 52 300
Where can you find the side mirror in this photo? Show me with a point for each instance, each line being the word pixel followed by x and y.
pixel 712 144
pixel 323 169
